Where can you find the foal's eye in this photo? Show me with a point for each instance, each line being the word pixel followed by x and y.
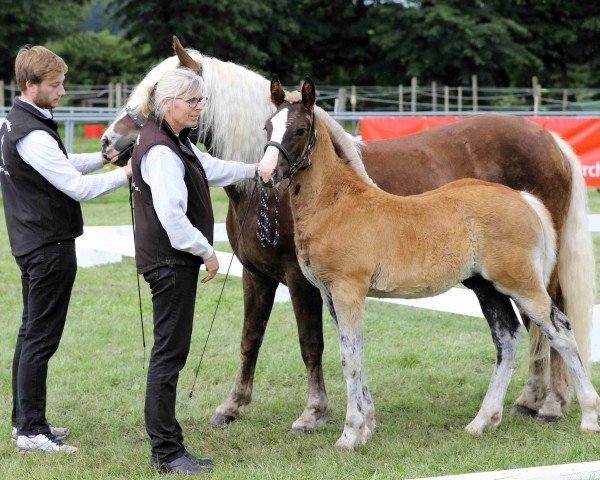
pixel 300 132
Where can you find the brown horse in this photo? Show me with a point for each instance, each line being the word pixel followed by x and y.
pixel 503 149
pixel 353 240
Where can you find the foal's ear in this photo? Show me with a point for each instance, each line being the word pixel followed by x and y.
pixel 308 94
pixel 185 58
pixel 277 93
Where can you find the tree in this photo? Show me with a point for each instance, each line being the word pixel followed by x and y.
pixel 31 22
pixel 228 29
pixel 100 58
pixel 563 35
pixel 448 41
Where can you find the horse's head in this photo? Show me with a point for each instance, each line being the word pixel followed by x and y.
pixel 291 134
pixel 117 141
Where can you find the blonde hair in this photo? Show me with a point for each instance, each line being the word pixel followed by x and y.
pixel 35 63
pixel 177 83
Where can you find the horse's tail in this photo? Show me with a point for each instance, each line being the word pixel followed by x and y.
pixel 576 265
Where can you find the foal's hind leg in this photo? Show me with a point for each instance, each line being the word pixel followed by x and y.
pixel 555 325
pixel 259 294
pixel 506 330
pixel 547 383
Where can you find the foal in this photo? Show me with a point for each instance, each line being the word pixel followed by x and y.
pixel 353 240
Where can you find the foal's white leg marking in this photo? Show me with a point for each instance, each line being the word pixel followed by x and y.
pixel 556 327
pixel 490 412
pixel 360 412
pixel 268 162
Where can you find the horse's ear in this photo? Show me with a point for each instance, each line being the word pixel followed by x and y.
pixel 277 93
pixel 185 58
pixel 308 94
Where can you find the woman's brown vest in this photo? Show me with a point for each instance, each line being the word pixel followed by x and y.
pixel 152 246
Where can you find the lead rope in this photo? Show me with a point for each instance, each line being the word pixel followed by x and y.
pixel 222 288
pixel 264 227
pixel 136 274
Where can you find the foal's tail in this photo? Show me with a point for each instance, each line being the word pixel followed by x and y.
pixel 576 265
pixel 548 246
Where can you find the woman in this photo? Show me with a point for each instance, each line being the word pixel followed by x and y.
pixel 174 230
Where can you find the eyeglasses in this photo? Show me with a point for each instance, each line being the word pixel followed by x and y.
pixel 193 102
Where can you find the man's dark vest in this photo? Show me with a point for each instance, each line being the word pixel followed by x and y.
pixel 36 212
pixel 152 246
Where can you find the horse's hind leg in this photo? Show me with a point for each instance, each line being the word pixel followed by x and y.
pixel 559 392
pixel 259 294
pixel 308 309
pixel 537 386
pixel 555 325
pixel 506 330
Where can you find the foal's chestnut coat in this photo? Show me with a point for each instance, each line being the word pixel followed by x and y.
pixel 353 240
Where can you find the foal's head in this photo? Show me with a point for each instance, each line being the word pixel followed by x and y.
pixel 290 133
pixel 117 140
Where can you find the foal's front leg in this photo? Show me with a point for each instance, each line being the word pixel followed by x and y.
pixel 360 413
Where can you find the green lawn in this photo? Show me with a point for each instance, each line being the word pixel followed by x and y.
pixel 427 371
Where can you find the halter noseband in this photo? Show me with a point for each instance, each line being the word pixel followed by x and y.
pixel 299 163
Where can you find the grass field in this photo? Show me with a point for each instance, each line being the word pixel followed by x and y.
pixel 427 371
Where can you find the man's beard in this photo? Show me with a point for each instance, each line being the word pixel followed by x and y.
pixel 43 102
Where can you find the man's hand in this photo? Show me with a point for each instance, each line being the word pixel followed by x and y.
pixel 212 266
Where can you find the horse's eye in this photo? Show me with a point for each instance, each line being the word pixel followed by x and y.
pixel 300 132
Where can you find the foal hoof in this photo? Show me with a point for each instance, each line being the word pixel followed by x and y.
pixel 220 420
pixel 523 411
pixel 301 430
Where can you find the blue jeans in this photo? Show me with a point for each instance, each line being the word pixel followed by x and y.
pixel 47 277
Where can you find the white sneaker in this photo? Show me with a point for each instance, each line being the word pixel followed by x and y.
pixel 59 432
pixel 44 442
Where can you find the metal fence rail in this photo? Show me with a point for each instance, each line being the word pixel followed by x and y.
pixel 70 116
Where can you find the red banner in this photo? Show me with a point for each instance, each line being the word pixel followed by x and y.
pixel 582 133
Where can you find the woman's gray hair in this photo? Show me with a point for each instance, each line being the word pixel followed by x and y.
pixel 177 83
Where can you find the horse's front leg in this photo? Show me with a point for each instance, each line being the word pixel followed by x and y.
pixel 506 330
pixel 360 413
pixel 308 308
pixel 259 294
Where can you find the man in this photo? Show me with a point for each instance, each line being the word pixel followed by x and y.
pixel 41 187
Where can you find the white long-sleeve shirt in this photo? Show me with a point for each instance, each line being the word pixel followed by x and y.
pixel 41 151
pixel 164 172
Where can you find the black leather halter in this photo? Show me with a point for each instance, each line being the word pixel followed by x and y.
pixel 299 163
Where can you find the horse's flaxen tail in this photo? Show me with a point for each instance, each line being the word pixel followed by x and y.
pixel 576 265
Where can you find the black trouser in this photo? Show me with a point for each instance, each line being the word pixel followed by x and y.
pixel 173 298
pixel 47 276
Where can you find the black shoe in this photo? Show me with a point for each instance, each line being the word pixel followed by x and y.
pixel 181 465
pixel 199 461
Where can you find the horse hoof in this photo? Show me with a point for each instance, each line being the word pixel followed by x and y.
pixel 523 411
pixel 220 420
pixel 548 418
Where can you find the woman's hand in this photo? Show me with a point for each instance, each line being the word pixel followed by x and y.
pixel 212 266
pixel 127 169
